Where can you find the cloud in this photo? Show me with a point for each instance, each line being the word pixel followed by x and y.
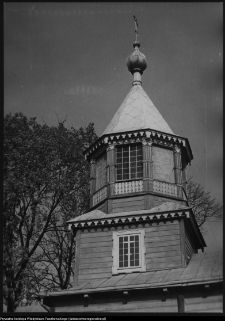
pixel 83 90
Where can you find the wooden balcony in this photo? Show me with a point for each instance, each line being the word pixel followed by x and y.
pixel 164 188
pixel 100 195
pixel 128 187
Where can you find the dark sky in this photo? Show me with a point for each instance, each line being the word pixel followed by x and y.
pixel 68 60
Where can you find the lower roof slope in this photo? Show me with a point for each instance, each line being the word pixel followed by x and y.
pixel 203 268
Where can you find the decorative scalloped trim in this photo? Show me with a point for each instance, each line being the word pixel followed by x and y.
pixel 133 219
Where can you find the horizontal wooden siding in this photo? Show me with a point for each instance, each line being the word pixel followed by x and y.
pixel 95 256
pixel 128 204
pixel 162 245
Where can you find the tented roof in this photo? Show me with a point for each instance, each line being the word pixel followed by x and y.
pixel 137 112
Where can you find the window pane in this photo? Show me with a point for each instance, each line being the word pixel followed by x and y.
pixel 139 175
pixel 126 239
pixel 136 238
pixel 126 166
pixel 133 175
pixel 126 176
pixel 136 262
pixel 132 238
pixel 125 263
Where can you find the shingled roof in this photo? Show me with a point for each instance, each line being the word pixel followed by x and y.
pixel 203 268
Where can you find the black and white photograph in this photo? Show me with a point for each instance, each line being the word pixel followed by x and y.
pixel 113 158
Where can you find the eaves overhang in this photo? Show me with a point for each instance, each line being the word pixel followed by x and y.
pixel 137 217
pixel 174 284
pixel 157 137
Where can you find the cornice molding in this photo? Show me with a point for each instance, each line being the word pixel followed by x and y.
pixel 138 136
pixel 131 219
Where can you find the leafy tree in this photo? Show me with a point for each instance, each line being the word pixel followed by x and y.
pixel 204 207
pixel 45 184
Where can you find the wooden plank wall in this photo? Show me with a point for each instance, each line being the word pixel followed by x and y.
pixel 102 207
pixel 95 260
pixel 163 164
pixel 153 303
pixel 211 303
pixel 128 204
pixel 162 245
pixel 160 200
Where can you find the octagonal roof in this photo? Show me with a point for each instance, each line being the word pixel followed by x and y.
pixel 137 112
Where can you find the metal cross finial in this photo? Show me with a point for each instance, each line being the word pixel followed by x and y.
pixel 136 26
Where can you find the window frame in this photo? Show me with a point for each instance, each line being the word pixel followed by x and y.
pixel 115 251
pixel 129 162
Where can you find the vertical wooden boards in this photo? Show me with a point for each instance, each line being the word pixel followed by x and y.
pixel 147 162
pixel 182 243
pixel 178 170
pixel 111 175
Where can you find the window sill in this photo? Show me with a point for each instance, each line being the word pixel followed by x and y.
pixel 116 271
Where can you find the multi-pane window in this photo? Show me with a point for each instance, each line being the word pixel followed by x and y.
pixel 129 248
pixel 128 251
pixel 129 163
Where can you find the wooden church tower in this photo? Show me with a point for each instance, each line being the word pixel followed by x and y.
pixel 137 246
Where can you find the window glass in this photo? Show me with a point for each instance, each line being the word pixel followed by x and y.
pixel 129 162
pixel 129 251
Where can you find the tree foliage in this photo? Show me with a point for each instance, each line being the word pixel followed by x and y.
pixel 45 184
pixel 205 208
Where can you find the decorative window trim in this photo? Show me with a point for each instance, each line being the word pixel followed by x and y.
pixel 115 251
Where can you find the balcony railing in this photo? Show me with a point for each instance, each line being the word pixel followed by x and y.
pixel 128 187
pixel 99 195
pixel 164 188
pixel 133 187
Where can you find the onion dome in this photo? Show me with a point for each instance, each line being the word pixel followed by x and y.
pixel 137 61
